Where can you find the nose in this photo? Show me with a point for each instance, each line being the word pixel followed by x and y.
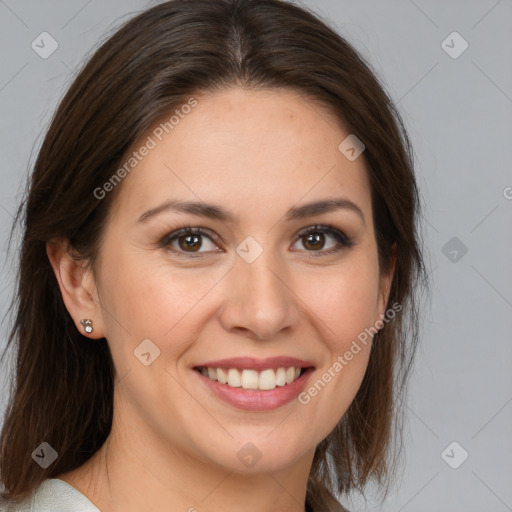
pixel 259 299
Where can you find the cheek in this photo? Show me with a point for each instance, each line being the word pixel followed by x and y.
pixel 345 300
pixel 160 301
pixel 155 301
pixel 343 303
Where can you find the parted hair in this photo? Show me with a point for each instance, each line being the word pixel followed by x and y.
pixel 63 383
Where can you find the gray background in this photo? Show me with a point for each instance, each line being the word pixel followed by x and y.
pixel 458 112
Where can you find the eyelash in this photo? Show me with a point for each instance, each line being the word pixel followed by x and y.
pixel 344 242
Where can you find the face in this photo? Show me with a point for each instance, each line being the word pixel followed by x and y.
pixel 262 280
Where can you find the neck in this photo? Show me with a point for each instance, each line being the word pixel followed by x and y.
pixel 135 471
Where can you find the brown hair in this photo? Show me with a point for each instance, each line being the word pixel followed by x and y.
pixel 63 386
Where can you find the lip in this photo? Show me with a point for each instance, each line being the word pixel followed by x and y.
pixel 253 400
pixel 251 363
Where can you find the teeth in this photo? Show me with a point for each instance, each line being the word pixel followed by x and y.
pixel 267 380
pixel 252 379
pixel 234 378
pixel 281 377
pixel 222 376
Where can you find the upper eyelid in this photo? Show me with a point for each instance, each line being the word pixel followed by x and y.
pixel 196 230
pixel 176 233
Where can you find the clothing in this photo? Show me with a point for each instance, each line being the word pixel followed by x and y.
pixel 53 495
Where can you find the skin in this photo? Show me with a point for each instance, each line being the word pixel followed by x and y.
pixel 257 154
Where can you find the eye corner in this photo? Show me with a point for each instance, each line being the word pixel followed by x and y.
pixel 342 239
pixel 167 240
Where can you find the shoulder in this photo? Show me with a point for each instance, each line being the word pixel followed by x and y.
pixel 339 508
pixel 53 495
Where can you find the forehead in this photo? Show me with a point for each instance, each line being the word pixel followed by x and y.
pixel 247 149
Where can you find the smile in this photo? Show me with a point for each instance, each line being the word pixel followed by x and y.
pixel 248 379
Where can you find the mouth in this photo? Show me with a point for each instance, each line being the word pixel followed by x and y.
pixel 250 379
pixel 255 385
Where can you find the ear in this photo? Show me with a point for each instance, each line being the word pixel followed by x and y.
pixel 77 286
pixel 385 282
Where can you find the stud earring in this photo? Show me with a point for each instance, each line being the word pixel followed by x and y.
pixel 87 324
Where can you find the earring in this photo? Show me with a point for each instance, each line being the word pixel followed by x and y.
pixel 87 324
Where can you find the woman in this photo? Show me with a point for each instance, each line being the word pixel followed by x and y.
pixel 215 305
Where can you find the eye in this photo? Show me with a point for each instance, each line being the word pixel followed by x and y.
pixel 315 238
pixel 189 241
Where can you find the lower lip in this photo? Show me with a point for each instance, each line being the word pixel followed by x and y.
pixel 252 400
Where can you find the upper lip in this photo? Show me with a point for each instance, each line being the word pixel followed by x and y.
pixel 250 363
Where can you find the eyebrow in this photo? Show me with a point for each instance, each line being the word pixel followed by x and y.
pixel 216 212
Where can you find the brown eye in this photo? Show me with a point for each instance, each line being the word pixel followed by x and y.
pixel 324 240
pixel 315 241
pixel 192 242
pixel 189 241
